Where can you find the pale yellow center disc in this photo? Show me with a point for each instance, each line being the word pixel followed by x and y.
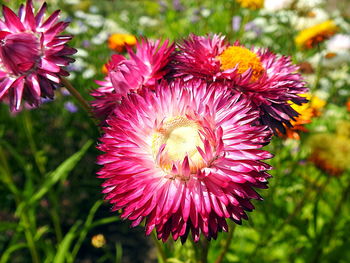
pixel 181 137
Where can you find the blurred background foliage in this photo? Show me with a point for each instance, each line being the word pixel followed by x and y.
pixel 51 208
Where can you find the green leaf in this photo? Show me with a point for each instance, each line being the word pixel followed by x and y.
pixel 7 253
pixel 63 248
pixel 57 175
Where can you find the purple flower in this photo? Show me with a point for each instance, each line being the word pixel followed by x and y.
pixel 70 106
pixel 236 23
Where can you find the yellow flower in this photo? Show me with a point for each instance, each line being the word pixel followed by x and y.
pixel 118 42
pixel 251 4
pixel 330 152
pixel 307 111
pixel 310 37
pixel 317 104
pixel 98 241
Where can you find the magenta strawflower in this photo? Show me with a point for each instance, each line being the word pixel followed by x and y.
pixel 183 158
pixel 32 55
pixel 271 82
pixel 145 68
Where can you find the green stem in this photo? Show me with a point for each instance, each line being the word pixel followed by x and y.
pixel 318 70
pixel 273 234
pixel 28 127
pixel 245 20
pixel 223 252
pixel 6 175
pixel 328 229
pixel 30 238
pixel 203 255
pixel 83 103
pixel 7 179
pixel 160 250
pixel 53 210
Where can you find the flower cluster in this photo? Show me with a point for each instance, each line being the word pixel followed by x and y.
pixel 184 126
pixel 32 55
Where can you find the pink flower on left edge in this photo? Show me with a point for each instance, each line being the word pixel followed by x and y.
pixel 145 68
pixel 32 55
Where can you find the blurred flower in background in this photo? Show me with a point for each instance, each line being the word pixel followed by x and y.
pixel 312 36
pixel 307 112
pixel 273 5
pixel 71 107
pixel 251 4
pixel 98 241
pixel 119 42
pixel 331 151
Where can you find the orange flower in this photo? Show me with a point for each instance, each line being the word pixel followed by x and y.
pixel 348 104
pixel 104 69
pixel 118 42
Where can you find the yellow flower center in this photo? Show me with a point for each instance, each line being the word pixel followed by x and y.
pixel 244 59
pixel 181 137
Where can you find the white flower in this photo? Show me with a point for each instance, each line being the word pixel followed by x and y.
pixel 338 42
pixel 89 73
pixel 77 28
pixel 205 12
pixel 331 59
pixel 308 5
pixel 81 53
pixel 100 38
pixel 148 21
pixel 273 5
pixel 111 26
pixel 312 18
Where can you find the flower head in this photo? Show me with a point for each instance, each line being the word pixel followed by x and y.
pixel 268 80
pixel 312 36
pixel 32 55
pixel 183 157
pixel 98 241
pixel 119 42
pixel 331 152
pixel 348 104
pixel 273 5
pixel 251 4
pixel 145 68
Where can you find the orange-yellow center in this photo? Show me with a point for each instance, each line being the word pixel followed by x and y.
pixel 243 59
pixel 181 137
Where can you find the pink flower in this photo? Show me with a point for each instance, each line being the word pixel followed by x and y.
pixel 271 82
pixel 184 158
pixel 32 55
pixel 144 69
